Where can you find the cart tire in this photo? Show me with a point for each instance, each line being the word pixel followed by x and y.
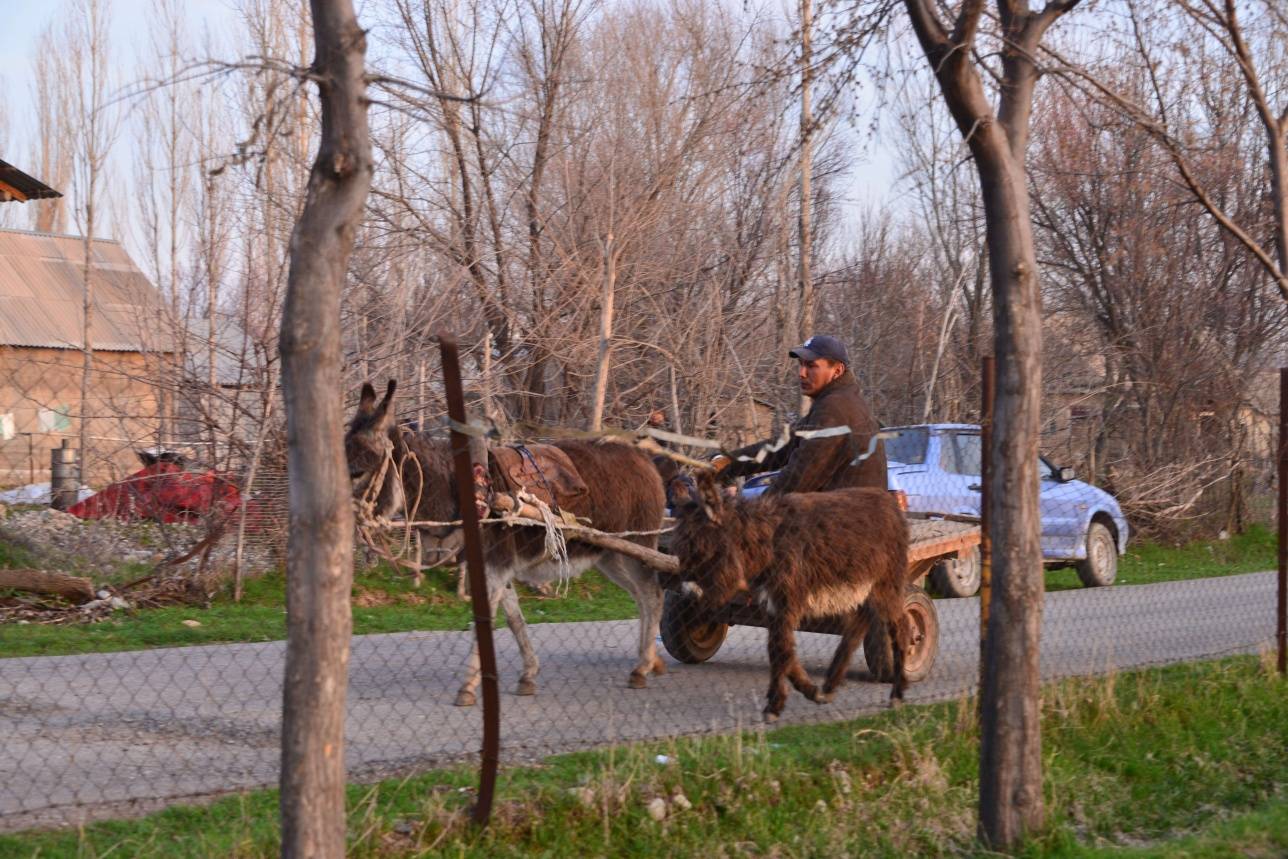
pixel 958 577
pixel 919 611
pixel 685 640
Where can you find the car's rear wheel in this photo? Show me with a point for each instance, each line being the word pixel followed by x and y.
pixel 958 577
pixel 1100 568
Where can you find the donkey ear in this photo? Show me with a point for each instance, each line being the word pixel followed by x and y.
pixel 382 411
pixel 389 396
pixel 367 402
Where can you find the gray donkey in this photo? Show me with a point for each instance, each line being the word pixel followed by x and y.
pixel 623 492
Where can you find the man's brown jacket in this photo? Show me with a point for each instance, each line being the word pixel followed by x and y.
pixel 822 463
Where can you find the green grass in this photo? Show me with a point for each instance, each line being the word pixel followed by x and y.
pixel 1148 563
pixel 386 601
pixel 383 601
pixel 13 556
pixel 1189 760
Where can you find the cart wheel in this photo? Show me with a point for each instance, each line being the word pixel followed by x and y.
pixel 685 640
pixel 920 612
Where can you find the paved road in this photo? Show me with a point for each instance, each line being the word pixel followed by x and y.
pixel 110 733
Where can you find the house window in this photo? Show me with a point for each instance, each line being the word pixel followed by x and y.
pixel 56 419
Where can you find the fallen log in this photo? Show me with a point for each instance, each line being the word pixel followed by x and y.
pixel 659 561
pixel 75 588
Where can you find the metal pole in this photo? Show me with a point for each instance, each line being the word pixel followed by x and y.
pixel 478 584
pixel 1282 631
pixel 987 371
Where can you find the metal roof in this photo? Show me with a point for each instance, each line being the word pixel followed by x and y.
pixel 16 185
pixel 42 295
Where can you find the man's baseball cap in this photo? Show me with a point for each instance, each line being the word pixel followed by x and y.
pixel 821 346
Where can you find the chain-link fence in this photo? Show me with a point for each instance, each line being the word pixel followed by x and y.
pixel 599 648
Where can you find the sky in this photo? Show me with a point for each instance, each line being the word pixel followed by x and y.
pixel 25 20
pixel 870 179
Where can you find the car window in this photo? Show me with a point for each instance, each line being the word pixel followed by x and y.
pixel 908 447
pixel 966 456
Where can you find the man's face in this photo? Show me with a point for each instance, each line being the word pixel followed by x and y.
pixel 818 374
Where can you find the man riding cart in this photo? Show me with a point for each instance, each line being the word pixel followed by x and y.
pixel 836 445
pixel 813 460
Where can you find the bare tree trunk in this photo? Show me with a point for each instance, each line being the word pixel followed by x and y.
pixel 806 282
pixel 1011 742
pixel 605 334
pixel 89 74
pixel 1010 800
pixel 87 345
pixel 320 549
pixel 75 588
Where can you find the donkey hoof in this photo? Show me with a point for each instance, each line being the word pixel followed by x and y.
pixel 526 687
pixel 637 681
pixel 464 699
pixel 770 717
pixel 824 697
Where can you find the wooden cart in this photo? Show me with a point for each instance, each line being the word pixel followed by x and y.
pixel 931 541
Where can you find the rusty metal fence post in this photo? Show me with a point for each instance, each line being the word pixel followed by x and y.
pixel 986 470
pixel 482 606
pixel 1281 631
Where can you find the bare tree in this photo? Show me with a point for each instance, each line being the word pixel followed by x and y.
pixel 94 129
pixel 1010 749
pixel 805 280
pixel 51 149
pixel 320 561
pixel 164 173
pixel 1180 45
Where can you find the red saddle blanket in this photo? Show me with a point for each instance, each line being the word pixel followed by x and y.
pixel 542 470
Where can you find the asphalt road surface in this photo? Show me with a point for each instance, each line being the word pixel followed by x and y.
pixel 110 734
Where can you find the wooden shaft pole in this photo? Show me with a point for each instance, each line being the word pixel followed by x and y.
pixel 1281 633
pixel 986 467
pixel 478 582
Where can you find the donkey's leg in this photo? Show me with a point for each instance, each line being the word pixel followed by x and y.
pixel 473 673
pixel 856 626
pixel 901 638
pixel 641 583
pixel 782 650
pixel 519 628
pixel 795 671
pixel 889 608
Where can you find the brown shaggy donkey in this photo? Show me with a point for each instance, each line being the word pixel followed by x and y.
pixel 799 555
pixel 624 494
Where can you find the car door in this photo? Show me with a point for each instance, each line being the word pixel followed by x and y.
pixel 1063 510
pixel 957 477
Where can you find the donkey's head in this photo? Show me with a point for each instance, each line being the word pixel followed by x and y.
pixel 704 540
pixel 369 451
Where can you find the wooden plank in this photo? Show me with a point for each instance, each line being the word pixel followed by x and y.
pixel 936 537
